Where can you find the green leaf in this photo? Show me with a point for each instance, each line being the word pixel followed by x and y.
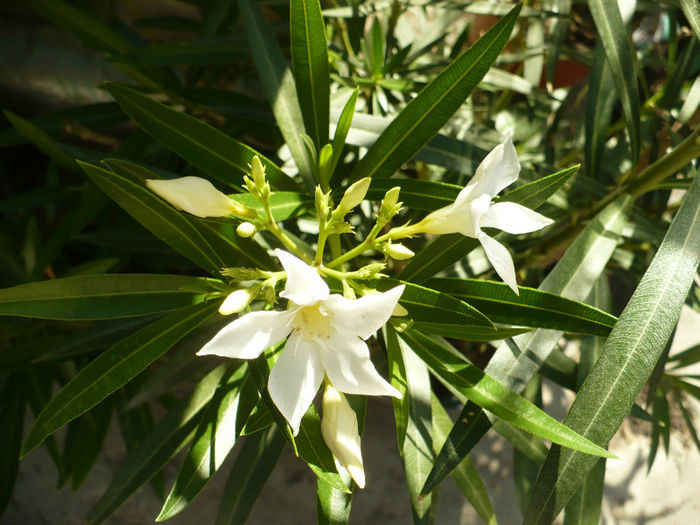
pixel 397 376
pixel 448 249
pixel 103 296
pixel 627 360
pixel 215 237
pixel 468 381
pixel 310 64
pixel 428 306
pixel 691 10
pixel 600 103
pixel 277 82
pixel 215 437
pixel 203 51
pixel 215 153
pixel 254 464
pixel 423 117
pixel 417 452
pixel 341 129
pixel 620 53
pixel 332 505
pixel 515 363
pixel 465 474
pixel 283 204
pixel 113 369
pixel 584 507
pixel 416 194
pixel 168 436
pixel 156 216
pixel 531 308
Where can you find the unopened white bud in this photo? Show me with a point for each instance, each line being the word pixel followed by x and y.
pixel 236 302
pixel 339 430
pixel 398 252
pixel 354 195
pixel 194 195
pixel 246 229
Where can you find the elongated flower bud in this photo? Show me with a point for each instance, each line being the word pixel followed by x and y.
pixel 339 430
pixel 196 196
pixel 354 195
pixel 235 302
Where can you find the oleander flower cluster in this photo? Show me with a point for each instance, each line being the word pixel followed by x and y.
pixel 323 335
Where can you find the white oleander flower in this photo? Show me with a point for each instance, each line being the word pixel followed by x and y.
pixel 473 210
pixel 196 196
pixel 339 430
pixel 325 339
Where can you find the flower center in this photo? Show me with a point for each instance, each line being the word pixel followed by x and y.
pixel 314 322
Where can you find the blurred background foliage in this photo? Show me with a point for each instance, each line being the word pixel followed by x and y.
pixel 613 100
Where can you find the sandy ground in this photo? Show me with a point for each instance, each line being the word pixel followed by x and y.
pixel 668 495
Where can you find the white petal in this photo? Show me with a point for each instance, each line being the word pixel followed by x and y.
pixel 339 430
pixel 513 218
pixel 194 195
pixel 248 336
pixel 295 379
pixel 499 169
pixel 304 285
pixel 364 316
pixel 501 260
pixel 347 364
pixel 445 220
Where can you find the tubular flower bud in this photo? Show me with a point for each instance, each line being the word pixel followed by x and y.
pixel 398 252
pixel 246 229
pixel 235 302
pixel 339 430
pixel 354 195
pixel 196 196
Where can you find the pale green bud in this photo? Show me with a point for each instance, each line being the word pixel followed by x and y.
pixel 354 195
pixel 370 271
pixel 322 201
pixel 246 229
pixel 236 302
pixel 196 196
pixel 398 252
pixel 390 204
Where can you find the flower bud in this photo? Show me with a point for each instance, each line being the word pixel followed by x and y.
pixel 339 430
pixel 196 196
pixel 370 271
pixel 257 170
pixel 390 204
pixel 354 195
pixel 322 203
pixel 246 229
pixel 398 252
pixel 236 302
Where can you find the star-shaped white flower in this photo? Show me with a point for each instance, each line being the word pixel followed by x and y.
pixel 473 210
pixel 325 338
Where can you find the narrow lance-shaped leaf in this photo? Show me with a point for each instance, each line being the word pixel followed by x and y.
pixel 215 437
pixel 216 237
pixel 620 54
pixel 627 360
pixel 310 64
pixel 515 363
pixel 113 369
pixel 691 10
pixel 465 474
pixel 167 437
pixel 599 107
pixel 253 466
pixel 278 82
pixel 155 215
pixel 417 450
pixel 423 117
pixel 108 296
pixel 205 147
pixel 467 381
